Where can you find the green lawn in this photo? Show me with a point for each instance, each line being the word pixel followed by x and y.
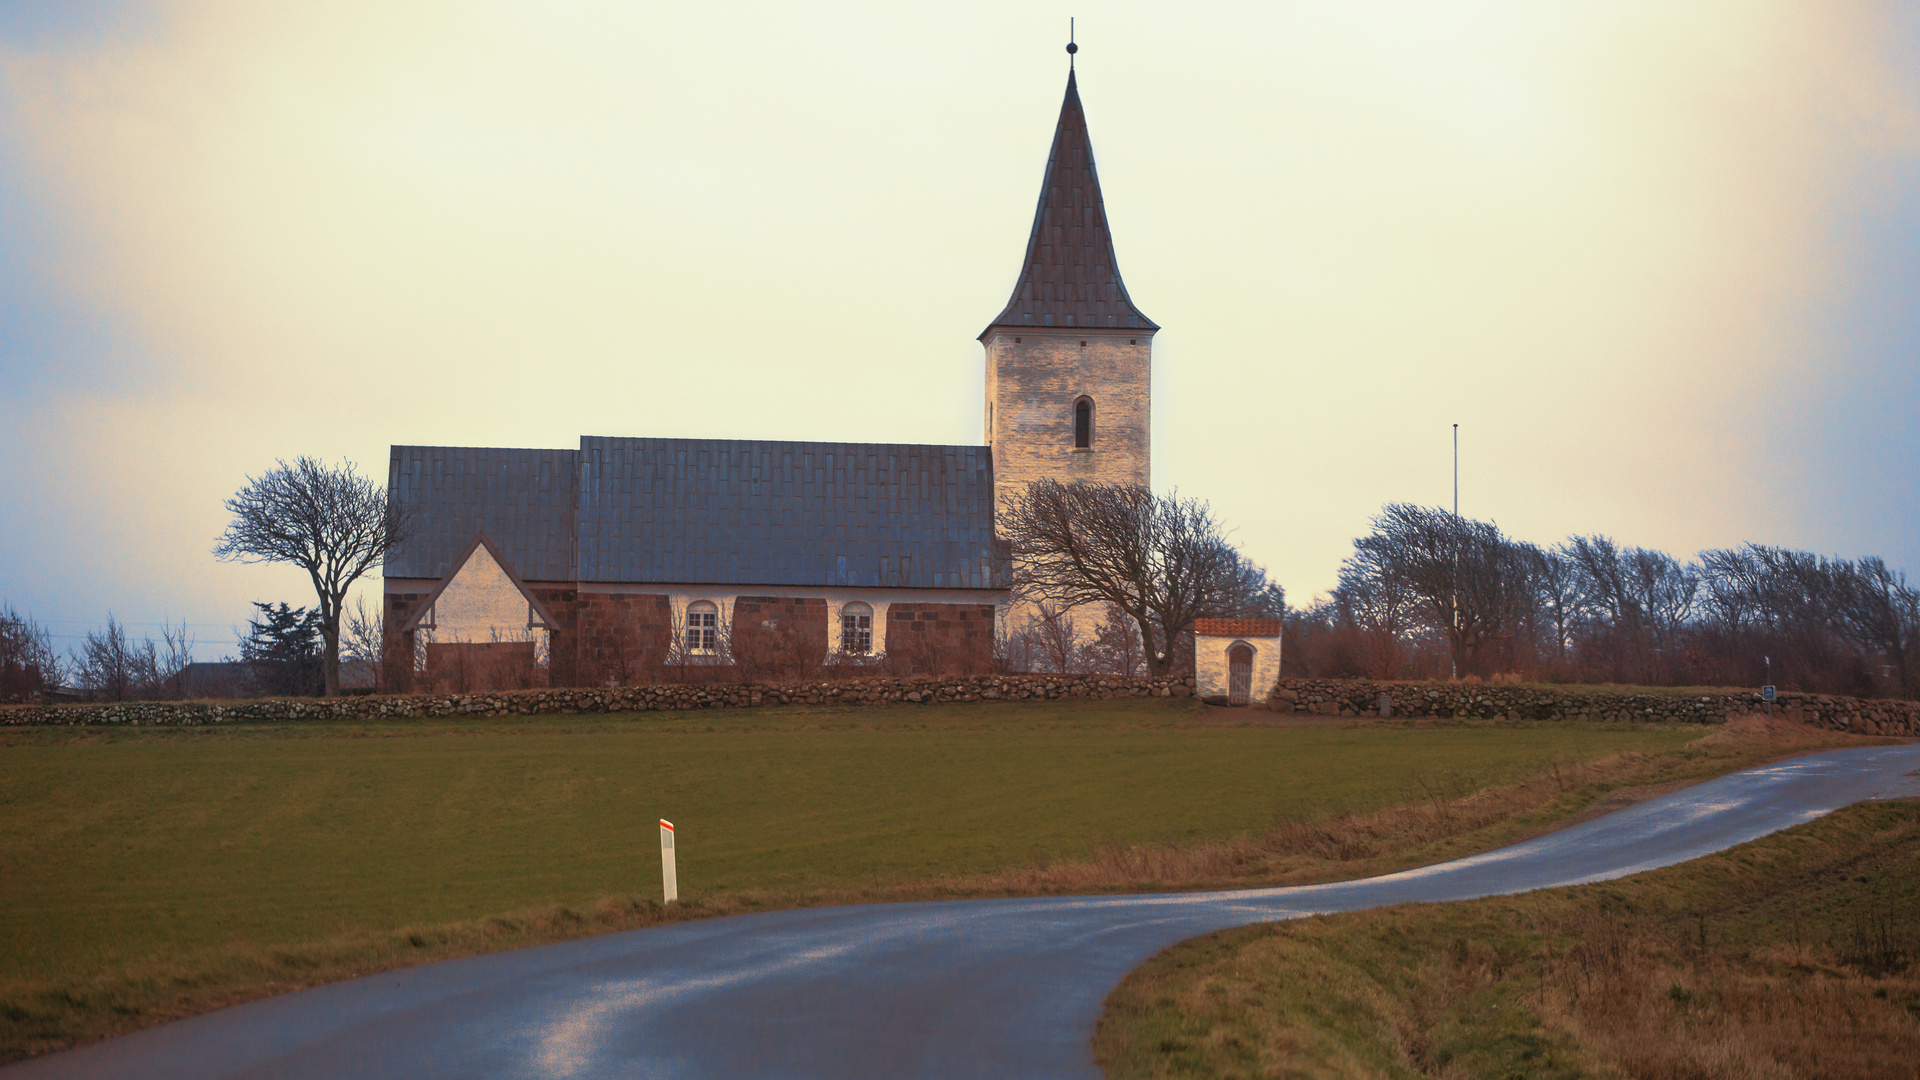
pixel 125 848
pixel 164 840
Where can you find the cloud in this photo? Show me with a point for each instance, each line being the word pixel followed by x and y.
pixel 1586 232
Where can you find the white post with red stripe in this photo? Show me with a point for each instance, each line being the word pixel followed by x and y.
pixel 669 881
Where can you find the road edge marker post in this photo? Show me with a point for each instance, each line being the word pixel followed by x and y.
pixel 669 880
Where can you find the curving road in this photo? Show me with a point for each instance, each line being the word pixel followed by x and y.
pixel 954 989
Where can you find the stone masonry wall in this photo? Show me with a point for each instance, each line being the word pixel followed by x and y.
pixel 1312 697
pixel 880 691
pixel 1034 376
pixel 1345 697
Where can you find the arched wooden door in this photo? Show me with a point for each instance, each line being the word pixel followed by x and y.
pixel 1239 673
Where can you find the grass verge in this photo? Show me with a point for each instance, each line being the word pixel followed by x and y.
pixel 1791 956
pixel 151 874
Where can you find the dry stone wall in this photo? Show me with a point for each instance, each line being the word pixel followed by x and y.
pixel 670 696
pixel 1311 697
pixel 1344 697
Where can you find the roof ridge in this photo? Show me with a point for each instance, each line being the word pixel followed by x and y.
pixel 1070 277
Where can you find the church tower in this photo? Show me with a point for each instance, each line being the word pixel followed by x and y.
pixel 1068 361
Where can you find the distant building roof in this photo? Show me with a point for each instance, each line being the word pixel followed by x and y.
pixel 1255 628
pixel 218 679
pixel 1070 277
pixel 358 674
pixel 707 511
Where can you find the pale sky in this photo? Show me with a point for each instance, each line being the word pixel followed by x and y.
pixel 1659 260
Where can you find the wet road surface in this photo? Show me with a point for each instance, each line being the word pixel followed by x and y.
pixel 970 988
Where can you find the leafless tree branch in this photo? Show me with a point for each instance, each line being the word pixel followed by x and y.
pixel 330 521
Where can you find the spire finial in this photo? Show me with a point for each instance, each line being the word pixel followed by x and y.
pixel 1071 47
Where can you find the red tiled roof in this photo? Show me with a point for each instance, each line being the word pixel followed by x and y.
pixel 1070 277
pixel 1268 628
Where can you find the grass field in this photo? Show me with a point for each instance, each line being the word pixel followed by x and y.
pixel 1788 957
pixel 146 874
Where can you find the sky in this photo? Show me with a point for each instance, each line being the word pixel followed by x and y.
pixel 1659 260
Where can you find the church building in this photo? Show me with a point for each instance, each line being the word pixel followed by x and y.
pixel 626 556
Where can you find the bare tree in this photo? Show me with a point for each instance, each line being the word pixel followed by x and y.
pixel 1563 600
pixel 1603 579
pixel 365 640
pixel 1056 640
pixel 1251 594
pixel 1377 600
pixel 1730 598
pixel 1664 589
pixel 1472 583
pixel 109 665
pixel 331 522
pixel 113 666
pixel 28 665
pixel 1883 614
pixel 1160 559
pixel 171 660
pixel 1115 648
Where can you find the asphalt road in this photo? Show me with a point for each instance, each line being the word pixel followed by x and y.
pixel 956 989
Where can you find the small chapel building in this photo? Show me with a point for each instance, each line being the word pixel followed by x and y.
pixel 1236 661
pixel 608 562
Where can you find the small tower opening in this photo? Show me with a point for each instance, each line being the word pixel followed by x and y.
pixel 1083 424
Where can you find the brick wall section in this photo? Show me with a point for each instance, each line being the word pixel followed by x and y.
pixel 1344 697
pixel 782 636
pixel 460 667
pixel 622 637
pixel 397 649
pixel 940 637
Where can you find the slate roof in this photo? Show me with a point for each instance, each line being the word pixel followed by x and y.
pixel 1070 277
pixel 522 500
pixel 707 511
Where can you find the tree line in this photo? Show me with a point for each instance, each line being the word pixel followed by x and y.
pixel 281 652
pixel 1115 576
pixel 1427 594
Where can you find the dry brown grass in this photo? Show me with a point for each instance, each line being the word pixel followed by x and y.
pixel 1793 956
pixel 1656 1002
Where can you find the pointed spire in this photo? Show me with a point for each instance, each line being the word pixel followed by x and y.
pixel 1070 277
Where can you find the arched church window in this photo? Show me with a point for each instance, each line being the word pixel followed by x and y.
pixel 856 629
pixel 703 628
pixel 1083 424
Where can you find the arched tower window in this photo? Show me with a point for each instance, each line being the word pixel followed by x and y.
pixel 703 628
pixel 1083 424
pixel 856 629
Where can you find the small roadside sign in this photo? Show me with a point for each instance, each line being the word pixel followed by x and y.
pixel 1766 693
pixel 669 881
